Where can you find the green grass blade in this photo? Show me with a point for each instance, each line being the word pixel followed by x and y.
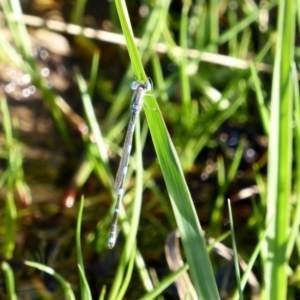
pixel 245 44
pixel 84 288
pixel 132 50
pixel 223 182
pixel 152 31
pixel 212 120
pixel 164 284
pixel 214 23
pixel 130 230
pixel 18 29
pixel 6 124
pixel 298 13
pixel 65 285
pixel 184 78
pixel 93 74
pixel 9 225
pixel 243 24
pixel 279 165
pixel 263 111
pixel 235 256
pixel 128 275
pixel 216 216
pixel 252 260
pixel 104 168
pixel 143 271
pixel 78 234
pixel 78 11
pixel 183 208
pixel 103 292
pixel 9 280
pixel 296 211
pixel 159 79
pixel 233 41
pixel 156 21
pixel 10 207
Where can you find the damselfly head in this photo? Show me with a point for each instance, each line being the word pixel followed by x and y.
pixel 148 86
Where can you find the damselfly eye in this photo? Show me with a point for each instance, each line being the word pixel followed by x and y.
pixel 148 86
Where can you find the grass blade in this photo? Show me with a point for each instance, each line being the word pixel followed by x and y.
pixel 84 287
pixel 130 231
pixel 9 280
pixel 65 285
pixel 280 158
pixel 183 208
pixel 235 256
pixel 164 284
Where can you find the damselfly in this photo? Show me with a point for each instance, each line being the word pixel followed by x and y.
pixel 136 104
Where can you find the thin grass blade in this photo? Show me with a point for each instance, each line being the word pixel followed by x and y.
pixel 9 280
pixel 65 284
pixel 280 156
pixel 84 287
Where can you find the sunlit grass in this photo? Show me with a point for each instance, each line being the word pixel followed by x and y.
pixel 184 114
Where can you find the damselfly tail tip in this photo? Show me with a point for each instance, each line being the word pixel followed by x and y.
pixel 112 236
pixel 111 243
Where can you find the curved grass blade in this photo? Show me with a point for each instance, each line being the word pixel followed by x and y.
pixel 9 280
pixel 65 284
pixel 165 283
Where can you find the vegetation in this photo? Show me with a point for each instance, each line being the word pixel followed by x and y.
pixel 223 119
